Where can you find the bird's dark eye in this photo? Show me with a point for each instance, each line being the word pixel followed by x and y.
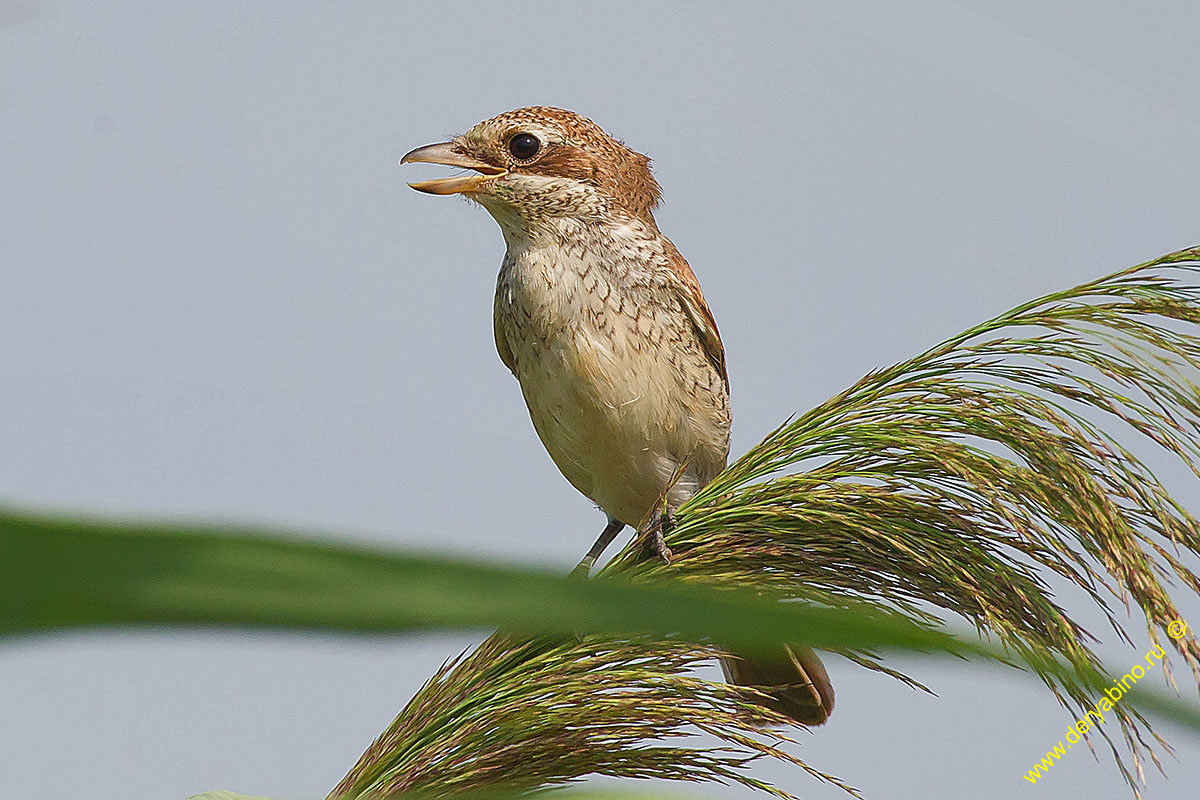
pixel 524 146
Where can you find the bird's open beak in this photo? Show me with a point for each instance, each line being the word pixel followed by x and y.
pixel 451 155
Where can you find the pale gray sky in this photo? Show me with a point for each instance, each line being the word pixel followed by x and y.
pixel 219 299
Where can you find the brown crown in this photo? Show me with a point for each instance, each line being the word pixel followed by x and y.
pixel 586 153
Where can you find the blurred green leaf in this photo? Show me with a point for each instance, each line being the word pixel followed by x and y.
pixel 58 573
pixel 566 794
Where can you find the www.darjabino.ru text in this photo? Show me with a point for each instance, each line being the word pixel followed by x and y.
pixel 1095 716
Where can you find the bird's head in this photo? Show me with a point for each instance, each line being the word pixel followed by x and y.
pixel 537 164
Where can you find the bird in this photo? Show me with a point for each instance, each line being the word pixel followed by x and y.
pixel 603 323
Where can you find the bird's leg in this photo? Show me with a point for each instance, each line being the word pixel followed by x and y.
pixel 584 567
pixel 655 544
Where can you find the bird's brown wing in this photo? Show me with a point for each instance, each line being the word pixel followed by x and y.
pixel 794 682
pixel 692 299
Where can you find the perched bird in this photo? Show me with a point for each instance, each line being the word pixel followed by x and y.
pixel 604 325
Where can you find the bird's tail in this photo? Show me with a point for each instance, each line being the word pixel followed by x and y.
pixel 795 683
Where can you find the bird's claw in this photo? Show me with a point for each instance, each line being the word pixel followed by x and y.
pixel 654 543
pixel 659 548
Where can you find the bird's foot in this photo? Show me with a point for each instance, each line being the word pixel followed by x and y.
pixel 658 547
pixel 654 543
